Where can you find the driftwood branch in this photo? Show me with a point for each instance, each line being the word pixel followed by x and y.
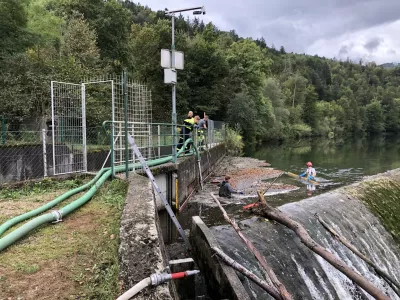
pixel 390 280
pixel 238 267
pixel 269 212
pixel 270 273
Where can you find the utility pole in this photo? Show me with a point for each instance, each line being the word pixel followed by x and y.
pixel 171 66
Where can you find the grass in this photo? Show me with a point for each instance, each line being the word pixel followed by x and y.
pixel 28 269
pixel 383 199
pixel 38 188
pixel 79 256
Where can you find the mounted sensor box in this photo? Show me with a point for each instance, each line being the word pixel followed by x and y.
pixel 166 59
pixel 169 76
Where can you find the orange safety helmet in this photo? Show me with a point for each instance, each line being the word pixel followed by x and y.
pixel 309 164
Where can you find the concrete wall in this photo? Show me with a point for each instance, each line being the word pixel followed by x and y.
pixel 141 248
pixel 25 162
pixel 222 281
pixel 188 171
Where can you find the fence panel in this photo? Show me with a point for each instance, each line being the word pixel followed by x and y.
pixel 68 128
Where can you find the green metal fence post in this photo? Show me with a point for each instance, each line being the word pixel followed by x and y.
pixel 112 151
pixel 124 79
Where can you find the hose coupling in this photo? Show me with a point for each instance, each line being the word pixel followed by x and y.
pixel 58 215
pixel 159 278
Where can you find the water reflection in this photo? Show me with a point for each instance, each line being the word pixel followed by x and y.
pixel 337 161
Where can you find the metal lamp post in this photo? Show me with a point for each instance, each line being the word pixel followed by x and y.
pixel 196 11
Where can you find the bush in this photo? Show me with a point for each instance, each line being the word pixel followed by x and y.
pixel 233 141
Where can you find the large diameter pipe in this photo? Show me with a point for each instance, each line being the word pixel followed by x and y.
pixel 18 219
pixel 56 216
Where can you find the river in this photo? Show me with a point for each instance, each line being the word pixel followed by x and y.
pixel 337 162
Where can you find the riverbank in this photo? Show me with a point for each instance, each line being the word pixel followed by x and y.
pixel 247 175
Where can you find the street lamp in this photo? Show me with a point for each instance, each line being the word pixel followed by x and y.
pixel 196 11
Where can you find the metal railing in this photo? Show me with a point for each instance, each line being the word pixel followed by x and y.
pixel 26 155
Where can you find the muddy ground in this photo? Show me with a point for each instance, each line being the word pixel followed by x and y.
pixel 247 175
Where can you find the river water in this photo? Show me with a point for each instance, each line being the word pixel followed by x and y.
pixel 337 162
pixel 306 275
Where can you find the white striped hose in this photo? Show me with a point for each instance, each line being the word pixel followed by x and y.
pixel 154 280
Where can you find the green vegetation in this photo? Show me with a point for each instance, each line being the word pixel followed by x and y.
pixel 233 141
pixel 271 94
pixel 79 256
pixel 38 188
pixel 383 198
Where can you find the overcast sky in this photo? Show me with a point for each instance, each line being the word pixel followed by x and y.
pixel 367 29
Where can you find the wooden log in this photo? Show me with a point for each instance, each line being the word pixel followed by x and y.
pixel 304 179
pixel 238 267
pixel 269 212
pixel 263 262
pixel 390 280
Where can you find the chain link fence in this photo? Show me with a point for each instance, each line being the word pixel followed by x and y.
pixel 26 155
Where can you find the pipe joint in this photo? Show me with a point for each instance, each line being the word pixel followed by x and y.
pixel 58 215
pixel 159 278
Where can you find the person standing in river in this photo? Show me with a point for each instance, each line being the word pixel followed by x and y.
pixel 310 172
pixel 226 190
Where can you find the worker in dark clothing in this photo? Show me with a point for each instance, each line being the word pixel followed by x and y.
pixel 226 190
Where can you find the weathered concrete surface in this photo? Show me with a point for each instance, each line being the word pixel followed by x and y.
pixel 306 275
pixel 188 172
pixel 222 281
pixel 140 251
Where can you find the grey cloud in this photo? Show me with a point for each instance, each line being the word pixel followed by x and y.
pixel 373 43
pixel 295 24
pixel 344 50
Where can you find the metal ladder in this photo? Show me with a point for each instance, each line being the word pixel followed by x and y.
pixel 153 182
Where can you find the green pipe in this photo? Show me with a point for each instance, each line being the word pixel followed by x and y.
pixel 12 237
pixel 20 232
pixel 104 174
pixel 8 224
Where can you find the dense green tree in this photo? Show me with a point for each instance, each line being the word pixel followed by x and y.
pixel 269 93
pixel 14 36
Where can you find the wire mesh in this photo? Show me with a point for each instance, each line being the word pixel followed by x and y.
pixel 68 128
pixel 21 156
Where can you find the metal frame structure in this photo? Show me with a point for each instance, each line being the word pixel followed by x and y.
pixel 196 10
pixel 68 112
pixel 131 104
pixel 156 187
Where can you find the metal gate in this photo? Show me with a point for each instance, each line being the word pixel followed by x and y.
pixel 68 114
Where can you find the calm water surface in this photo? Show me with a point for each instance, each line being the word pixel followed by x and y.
pixel 337 162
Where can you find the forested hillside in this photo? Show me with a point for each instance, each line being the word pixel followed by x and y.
pixel 270 94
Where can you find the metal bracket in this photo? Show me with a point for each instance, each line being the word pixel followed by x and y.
pixel 58 216
pixel 153 182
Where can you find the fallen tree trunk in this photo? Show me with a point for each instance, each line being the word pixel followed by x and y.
pixel 270 273
pixel 238 267
pixel 269 212
pixel 390 280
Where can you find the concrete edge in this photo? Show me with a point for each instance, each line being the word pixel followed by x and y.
pixel 140 251
pixel 222 280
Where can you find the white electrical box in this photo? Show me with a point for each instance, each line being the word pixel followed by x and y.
pixel 169 76
pixel 166 59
